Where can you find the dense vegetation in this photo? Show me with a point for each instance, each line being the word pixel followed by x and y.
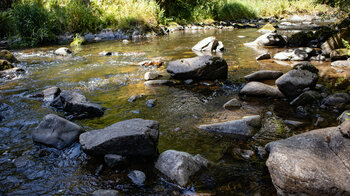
pixel 33 22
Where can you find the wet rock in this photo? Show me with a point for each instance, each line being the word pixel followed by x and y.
pixel 137 177
pixel 49 94
pixel 179 166
pixel 268 28
pixel 340 54
pixel 56 131
pixel 4 64
pixel 135 137
pixel 268 39
pixel 246 154
pixel 261 152
pixel 344 116
pixel 98 170
pixel 293 123
pixel 158 83
pixel 240 129
pixel 8 56
pixel 334 42
pixel 188 82
pixel 63 51
pixel 263 56
pixel 134 98
pixel 258 89
pixel 104 53
pixel 76 104
pixel 308 97
pixel 209 44
pixel 105 193
pixel 299 54
pixel 336 99
pixel 151 103
pixel 157 63
pixel 232 104
pixel 341 63
pixel 263 75
pixel 11 73
pixel 151 75
pixel 272 128
pixel 300 39
pixel 113 160
pixel 303 75
pixel 321 122
pixel 312 163
pixel 199 68
pixel 319 57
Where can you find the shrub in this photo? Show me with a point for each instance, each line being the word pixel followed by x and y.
pixel 6 27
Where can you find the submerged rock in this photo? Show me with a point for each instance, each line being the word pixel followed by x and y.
pixel 135 137
pixel 240 129
pixel 258 89
pixel 199 68
pixel 299 54
pixel 113 160
pixel 56 131
pixel 303 75
pixel 209 44
pixel 105 193
pixel 268 39
pixel 137 177
pixel 312 163
pixel 63 51
pixel 77 105
pixel 179 166
pixel 263 75
pixel 8 56
pixel 232 104
pixel 263 56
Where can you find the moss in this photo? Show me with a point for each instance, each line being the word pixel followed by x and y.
pixel 4 64
pixel 7 55
pixel 267 27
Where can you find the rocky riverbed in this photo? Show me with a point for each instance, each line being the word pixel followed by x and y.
pixel 155 118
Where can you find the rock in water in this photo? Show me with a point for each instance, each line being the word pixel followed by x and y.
pixel 240 129
pixel 199 68
pixel 63 51
pixel 312 163
pixel 56 131
pixel 299 54
pixel 341 63
pixel 77 105
pixel 105 193
pixel 8 56
pixel 303 75
pixel 268 28
pixel 344 116
pixel 151 75
pixel 268 39
pixel 113 160
pixel 263 56
pixel 336 99
pixel 258 89
pixel 232 104
pixel 263 75
pixel 4 65
pixel 137 177
pixel 11 73
pixel 135 137
pixel 179 166
pixel 49 94
pixel 209 44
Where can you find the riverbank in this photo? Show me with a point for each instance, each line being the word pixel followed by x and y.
pixel 124 18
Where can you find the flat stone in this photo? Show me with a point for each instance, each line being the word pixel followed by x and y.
pixel 263 56
pixel 243 128
pixel 299 54
pixel 268 39
pixel 343 63
pixel 135 137
pixel 308 97
pixel 263 75
pixel 258 89
pixel 151 75
pixel 232 104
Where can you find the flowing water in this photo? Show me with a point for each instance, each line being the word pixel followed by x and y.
pixel 28 169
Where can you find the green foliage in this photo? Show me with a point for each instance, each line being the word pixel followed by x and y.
pixel 6 27
pixel 32 23
pixel 233 10
pixel 77 41
pixel 346 44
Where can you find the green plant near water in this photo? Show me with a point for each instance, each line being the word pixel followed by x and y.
pixel 77 41
pixel 346 44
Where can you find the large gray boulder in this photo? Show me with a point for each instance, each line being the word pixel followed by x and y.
pixel 312 163
pixel 180 166
pixel 263 75
pixel 199 68
pixel 240 129
pixel 268 39
pixel 303 75
pixel 56 132
pixel 298 54
pixel 135 137
pixel 76 104
pixel 258 89
pixel 210 44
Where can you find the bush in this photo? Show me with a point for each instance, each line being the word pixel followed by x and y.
pixel 32 23
pixel 6 27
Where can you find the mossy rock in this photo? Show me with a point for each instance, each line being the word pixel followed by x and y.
pixel 7 55
pixel 340 54
pixel 4 64
pixel 268 28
